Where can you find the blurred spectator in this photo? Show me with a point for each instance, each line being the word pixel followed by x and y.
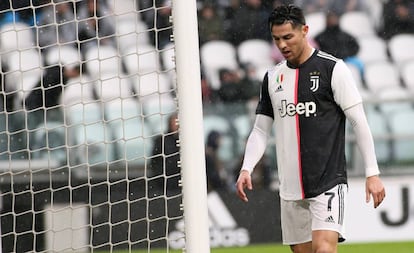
pixel 309 6
pixel 340 7
pixel 216 178
pixel 57 24
pixel 163 24
pixel 96 24
pixel 249 22
pixel 398 17
pixel 159 18
pixel 20 11
pixel 44 100
pixel 164 172
pixel 228 12
pixel 234 87
pixel 210 24
pixel 206 91
pixel 43 105
pixel 335 41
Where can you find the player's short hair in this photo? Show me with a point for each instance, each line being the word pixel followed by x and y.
pixel 287 13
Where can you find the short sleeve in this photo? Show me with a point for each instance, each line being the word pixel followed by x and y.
pixel 344 87
pixel 265 104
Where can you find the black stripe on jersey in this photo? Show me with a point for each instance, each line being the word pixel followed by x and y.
pixel 327 56
pixel 265 105
pixel 341 204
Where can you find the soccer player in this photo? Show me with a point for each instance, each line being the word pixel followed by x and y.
pixel 309 96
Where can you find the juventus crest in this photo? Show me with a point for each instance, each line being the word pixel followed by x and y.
pixel 314 79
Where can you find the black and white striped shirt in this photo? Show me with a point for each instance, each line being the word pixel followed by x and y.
pixel 307 103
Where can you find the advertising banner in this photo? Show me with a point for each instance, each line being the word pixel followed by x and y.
pixel 393 220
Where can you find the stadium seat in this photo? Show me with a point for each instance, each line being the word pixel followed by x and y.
pixel 407 75
pixel 380 130
pixel 103 62
pixel 78 90
pixel 156 98
pixel 89 138
pixel 256 52
pixel 127 130
pixel 375 10
pixel 123 10
pixel 16 36
pixel 168 57
pixel 372 49
pixel 50 142
pixel 381 76
pixel 121 108
pixel 215 55
pixel 399 48
pixel 357 23
pixel 65 55
pixel 131 33
pixel 401 124
pixel 393 100
pixel 4 136
pixel 24 72
pixel 222 125
pixel 93 144
pixel 356 73
pixel 141 60
pixel 150 84
pixel 83 113
pixel 316 22
pixel 243 124
pixel 113 88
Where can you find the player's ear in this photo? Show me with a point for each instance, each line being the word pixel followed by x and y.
pixel 305 30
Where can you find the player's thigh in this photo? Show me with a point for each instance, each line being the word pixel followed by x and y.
pixel 296 222
pixel 328 211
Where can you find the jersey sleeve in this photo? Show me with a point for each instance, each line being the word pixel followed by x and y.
pixel 257 142
pixel 265 104
pixel 365 142
pixel 344 87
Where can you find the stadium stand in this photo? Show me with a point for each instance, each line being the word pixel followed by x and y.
pixel 387 77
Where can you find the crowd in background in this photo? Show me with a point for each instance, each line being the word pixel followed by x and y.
pixel 88 23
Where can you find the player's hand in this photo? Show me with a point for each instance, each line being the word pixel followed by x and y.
pixel 244 181
pixel 374 187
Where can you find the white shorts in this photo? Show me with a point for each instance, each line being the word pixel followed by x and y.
pixel 323 212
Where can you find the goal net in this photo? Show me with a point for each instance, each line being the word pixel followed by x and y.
pixel 89 133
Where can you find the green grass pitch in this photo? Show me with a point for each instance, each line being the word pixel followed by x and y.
pixel 389 247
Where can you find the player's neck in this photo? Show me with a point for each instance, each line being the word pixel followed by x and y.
pixel 304 56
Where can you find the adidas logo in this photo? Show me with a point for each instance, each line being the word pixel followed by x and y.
pixel 279 88
pixel 224 230
pixel 330 219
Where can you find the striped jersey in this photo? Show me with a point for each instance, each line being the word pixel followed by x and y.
pixel 307 104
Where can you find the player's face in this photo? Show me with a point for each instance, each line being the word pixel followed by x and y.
pixel 291 41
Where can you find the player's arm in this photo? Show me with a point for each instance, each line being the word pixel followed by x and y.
pixel 257 141
pixel 365 142
pixel 255 148
pixel 348 98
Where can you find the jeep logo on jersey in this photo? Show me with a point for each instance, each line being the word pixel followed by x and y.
pixel 301 108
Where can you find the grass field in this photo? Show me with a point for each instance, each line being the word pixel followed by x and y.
pixel 390 247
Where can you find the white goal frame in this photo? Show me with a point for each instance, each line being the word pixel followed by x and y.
pixel 187 59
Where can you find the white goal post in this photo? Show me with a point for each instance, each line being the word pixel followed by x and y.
pixel 191 124
pixel 79 175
